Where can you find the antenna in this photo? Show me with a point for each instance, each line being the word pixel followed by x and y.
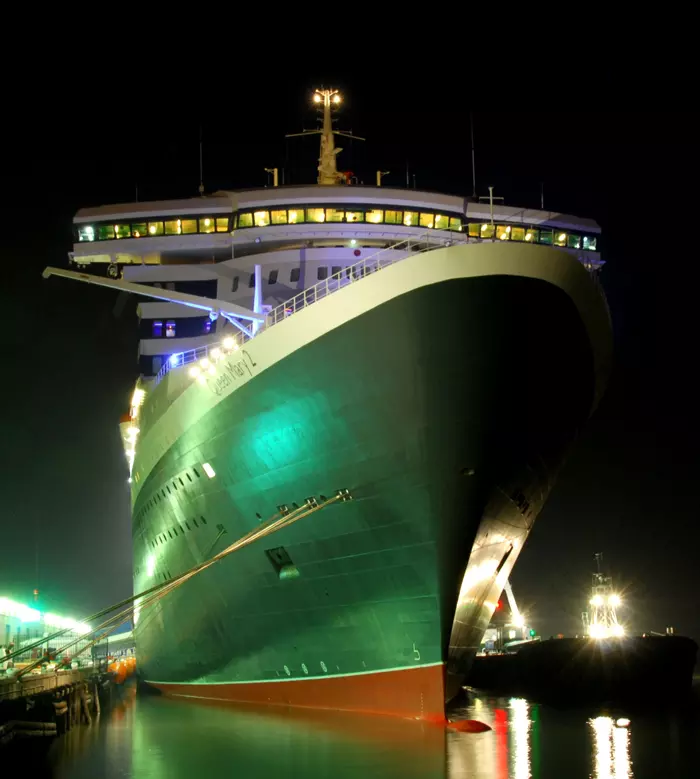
pixel 471 122
pixel 542 207
pixel 328 173
pixel 201 167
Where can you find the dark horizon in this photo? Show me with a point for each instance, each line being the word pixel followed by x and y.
pixel 627 488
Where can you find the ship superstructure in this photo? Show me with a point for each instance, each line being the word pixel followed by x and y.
pixel 425 359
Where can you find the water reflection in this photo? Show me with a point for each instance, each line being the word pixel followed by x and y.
pixel 611 744
pixel 157 737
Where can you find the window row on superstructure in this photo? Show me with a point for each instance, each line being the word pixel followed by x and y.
pixel 152 228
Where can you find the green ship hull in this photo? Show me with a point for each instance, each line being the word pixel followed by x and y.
pixel 446 412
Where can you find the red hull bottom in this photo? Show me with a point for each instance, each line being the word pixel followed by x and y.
pixel 418 693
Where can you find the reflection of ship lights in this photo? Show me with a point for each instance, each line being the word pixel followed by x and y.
pixel 612 749
pixel 520 728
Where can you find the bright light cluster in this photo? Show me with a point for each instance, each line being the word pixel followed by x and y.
pixel 10 608
pixel 207 365
pixel 602 631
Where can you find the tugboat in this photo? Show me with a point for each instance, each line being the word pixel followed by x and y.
pixel 606 664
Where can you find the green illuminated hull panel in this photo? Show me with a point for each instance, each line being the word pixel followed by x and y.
pixel 446 412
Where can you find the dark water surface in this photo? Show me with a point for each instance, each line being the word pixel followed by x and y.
pixel 154 737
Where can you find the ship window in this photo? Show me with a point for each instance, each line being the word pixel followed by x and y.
pixel 221 224
pixel 167 487
pixel 296 216
pixel 531 236
pixel 157 364
pixel 560 239
pixel 86 233
pixel 195 522
pixel 294 274
pixel 157 329
pixel 573 241
pixel 105 232
pixel 182 483
pixel 517 234
pixel 196 472
pixel 335 270
pixel 187 525
pixel 189 478
pixel 175 486
pixel 427 220
pixel 272 278
pixel 334 215
pixel 251 281
pixel 204 521
pixel 245 220
pixel 442 222
pixel 315 215
pixel 487 230
pixel 139 230
pixel 546 236
pixel 322 272
pixel 375 216
pixel 474 230
pixel 279 217
pixel 155 228
pixel 210 472
pixel 162 492
pixel 589 243
pixel 173 227
pixel 207 325
pixel 206 224
pixel 455 223
pixel 282 563
pixel 122 231
pixel 262 218
pixel 393 217
pixel 169 534
pixel 170 329
pixel 175 530
pixel 410 218
pixel 189 225
pixel 503 232
pixel 354 216
pixel 234 284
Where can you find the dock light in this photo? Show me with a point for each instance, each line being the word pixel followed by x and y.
pixel 618 631
pixel 215 353
pixel 623 722
pixel 317 98
pixel 195 371
pixel 336 99
pixel 615 600
pixel 204 363
pixel 597 600
pixel 210 472
pixel 229 342
pixel 353 241
pixel 519 621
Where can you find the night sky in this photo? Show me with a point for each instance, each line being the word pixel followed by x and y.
pixel 629 489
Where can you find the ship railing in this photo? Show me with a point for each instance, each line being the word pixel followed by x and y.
pixel 348 275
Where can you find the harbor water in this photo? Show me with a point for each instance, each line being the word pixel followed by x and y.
pixel 145 736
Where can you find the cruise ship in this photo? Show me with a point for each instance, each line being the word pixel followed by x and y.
pixel 404 370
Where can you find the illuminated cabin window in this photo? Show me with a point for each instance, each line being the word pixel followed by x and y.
pixel 296 216
pixel 487 230
pixel 589 243
pixel 375 216
pixel 427 220
pixel 294 274
pixel 560 238
pixel 474 230
pixel 532 236
pixel 393 217
pixel 455 223
pixel 170 329
pixel 279 217
pixel 245 220
pixel 206 224
pixel 105 232
pixel 122 231
pixel 517 234
pixel 503 232
pixel 573 241
pixel 139 229
pixel 222 224
pixel 261 218
pixel 157 329
pixel 315 215
pixel 442 222
pixel 86 233
pixel 155 228
pixel 354 216
pixel 334 215
pixel 189 226
pixel 545 237
pixel 173 227
pixel 410 218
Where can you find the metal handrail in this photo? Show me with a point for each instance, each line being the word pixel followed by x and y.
pixel 337 281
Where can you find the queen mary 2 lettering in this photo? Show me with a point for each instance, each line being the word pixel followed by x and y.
pixel 405 369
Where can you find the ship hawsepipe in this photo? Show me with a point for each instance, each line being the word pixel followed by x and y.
pixel 443 393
